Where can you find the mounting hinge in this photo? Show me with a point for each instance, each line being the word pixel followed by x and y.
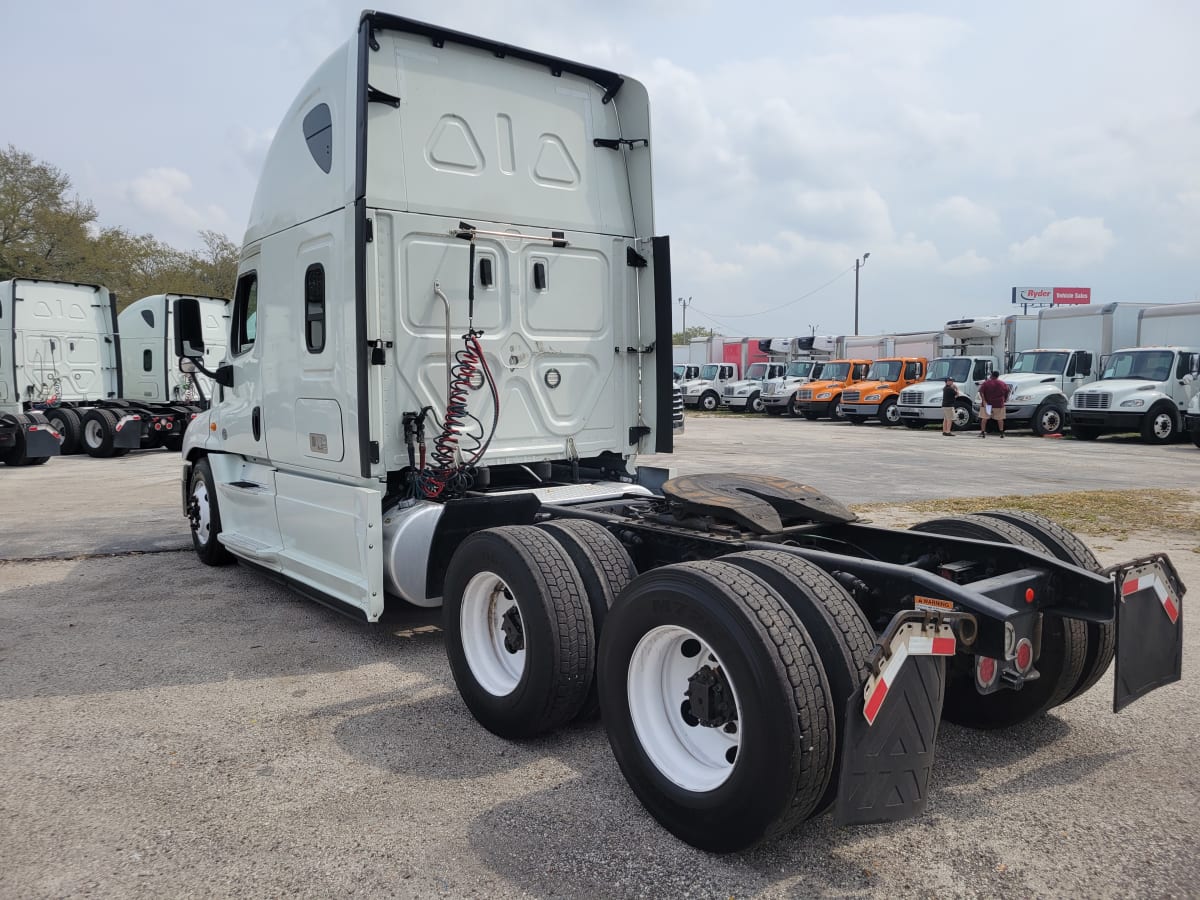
pixel 615 143
pixel 370 230
pixel 635 260
pixel 374 44
pixel 637 432
pixel 375 95
pixel 379 351
pixel 374 448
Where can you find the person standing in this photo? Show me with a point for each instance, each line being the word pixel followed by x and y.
pixel 993 394
pixel 950 393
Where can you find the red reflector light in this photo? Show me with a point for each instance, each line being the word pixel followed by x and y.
pixel 986 670
pixel 1024 655
pixel 1028 595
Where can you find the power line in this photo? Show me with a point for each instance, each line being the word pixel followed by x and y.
pixel 764 312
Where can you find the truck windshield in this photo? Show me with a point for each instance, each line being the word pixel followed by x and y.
pixel 679 370
pixel 958 368
pixel 836 371
pixel 757 372
pixel 1144 365
pixel 708 373
pixel 884 370
pixel 799 369
pixel 1039 362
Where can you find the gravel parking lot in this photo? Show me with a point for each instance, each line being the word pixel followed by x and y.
pixel 169 729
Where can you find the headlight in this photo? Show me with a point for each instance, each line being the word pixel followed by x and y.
pixel 1133 402
pixel 742 392
pixel 824 395
pixel 871 397
pixel 693 391
pixel 934 398
pixel 1023 397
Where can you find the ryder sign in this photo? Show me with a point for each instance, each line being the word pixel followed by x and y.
pixel 1051 296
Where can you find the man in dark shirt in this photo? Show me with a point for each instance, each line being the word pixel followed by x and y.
pixel 993 394
pixel 950 393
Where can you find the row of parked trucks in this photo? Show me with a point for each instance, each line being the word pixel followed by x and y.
pixel 1105 368
pixel 77 377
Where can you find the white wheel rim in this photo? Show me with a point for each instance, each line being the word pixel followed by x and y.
pixel 1163 425
pixel 487 600
pixel 695 757
pixel 962 418
pixel 94 433
pixel 1051 420
pixel 203 526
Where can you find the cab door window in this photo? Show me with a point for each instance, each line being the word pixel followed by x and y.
pixel 245 313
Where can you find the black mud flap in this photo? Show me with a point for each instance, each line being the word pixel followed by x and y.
pixel 1149 629
pixel 886 766
pixel 40 441
pixel 128 434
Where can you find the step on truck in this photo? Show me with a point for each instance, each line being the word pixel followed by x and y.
pixel 67 369
pixel 745 395
pixel 977 347
pixel 1147 388
pixel 421 404
pixel 1071 343
pixel 823 398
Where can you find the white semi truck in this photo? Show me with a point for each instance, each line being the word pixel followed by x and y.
pixel 705 391
pixel 1145 388
pixel 148 363
pixel 1071 344
pixel 67 371
pixel 421 403
pixel 978 346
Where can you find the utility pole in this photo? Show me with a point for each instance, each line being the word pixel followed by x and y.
pixel 685 304
pixel 858 264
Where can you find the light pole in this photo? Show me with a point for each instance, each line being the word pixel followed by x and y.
pixel 685 304
pixel 858 264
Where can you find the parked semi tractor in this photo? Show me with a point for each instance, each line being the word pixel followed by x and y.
pixel 1072 342
pixel 67 367
pixel 977 347
pixel 1148 387
pixel 439 417
pixel 745 395
pixel 149 365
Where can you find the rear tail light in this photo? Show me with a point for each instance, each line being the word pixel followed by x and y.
pixel 987 670
pixel 1024 658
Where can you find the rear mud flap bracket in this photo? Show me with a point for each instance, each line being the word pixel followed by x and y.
pixel 1149 629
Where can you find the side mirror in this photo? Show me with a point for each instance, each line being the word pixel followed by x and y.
pixel 186 366
pixel 189 332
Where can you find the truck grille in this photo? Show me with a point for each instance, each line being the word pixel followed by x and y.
pixel 728 391
pixel 851 396
pixel 769 390
pixel 911 398
pixel 1092 400
pixel 804 394
pixel 677 409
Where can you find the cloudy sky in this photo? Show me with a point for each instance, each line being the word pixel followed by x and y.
pixel 969 148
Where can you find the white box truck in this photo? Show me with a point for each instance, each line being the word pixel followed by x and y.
pixel 1072 341
pixel 977 346
pixel 808 357
pixel 1145 388
pixel 745 394
pixel 421 402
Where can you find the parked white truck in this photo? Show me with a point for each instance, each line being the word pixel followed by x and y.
pixel 67 369
pixel 705 391
pixel 807 357
pixel 745 394
pixel 1145 388
pixel 1072 341
pixel 148 363
pixel 978 346
pixel 421 402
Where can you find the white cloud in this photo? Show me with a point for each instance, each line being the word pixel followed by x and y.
pixel 1072 243
pixel 966 264
pixel 963 213
pixel 162 193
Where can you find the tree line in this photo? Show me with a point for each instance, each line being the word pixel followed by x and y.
pixel 48 232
